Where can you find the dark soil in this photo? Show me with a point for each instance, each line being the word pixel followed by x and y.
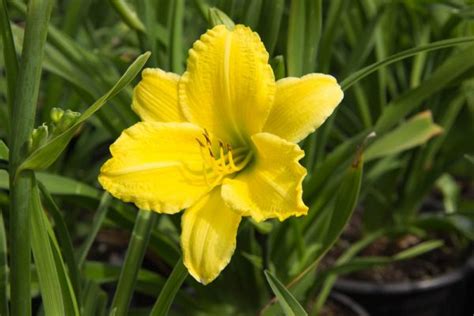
pixel 332 308
pixel 427 266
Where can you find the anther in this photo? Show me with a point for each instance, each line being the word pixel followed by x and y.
pixel 199 142
pixel 210 152
pixel 206 136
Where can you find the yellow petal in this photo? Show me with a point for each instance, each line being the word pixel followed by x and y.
pixel 208 238
pixel 301 105
pixel 272 185
pixel 228 87
pixel 155 98
pixel 157 166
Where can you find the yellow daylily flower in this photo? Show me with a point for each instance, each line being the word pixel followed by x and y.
pixel 219 141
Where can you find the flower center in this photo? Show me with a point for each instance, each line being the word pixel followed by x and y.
pixel 221 160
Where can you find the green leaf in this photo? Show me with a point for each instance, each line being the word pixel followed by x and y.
pixel 65 240
pixel 253 13
pixel 458 64
pixel 332 24
pixel 415 132
pixel 289 304
pixel 99 217
pixel 269 26
pixel 21 125
pixel 343 259
pixel 418 249
pixel 9 53
pixel 55 300
pixel 128 16
pixel 333 221
pixel 314 23
pixel 296 37
pixel 278 66
pixel 4 151
pixel 168 293
pixel 137 247
pixel 363 263
pixel 176 37
pixel 346 200
pixel 217 17
pixel 95 299
pixel 58 185
pixel 364 72
pixel 44 156
pixel 470 158
pixel 451 192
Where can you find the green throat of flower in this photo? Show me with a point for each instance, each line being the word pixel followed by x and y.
pixel 221 160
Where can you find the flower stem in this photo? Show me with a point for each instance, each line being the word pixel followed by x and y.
pixel 22 122
pixel 172 285
pixel 133 259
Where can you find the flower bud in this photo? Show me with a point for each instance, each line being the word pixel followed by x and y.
pixel 56 115
pixel 38 137
pixel 217 17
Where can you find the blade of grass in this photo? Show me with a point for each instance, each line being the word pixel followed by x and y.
pixel 22 122
pixel 289 304
pixel 168 293
pixel 133 259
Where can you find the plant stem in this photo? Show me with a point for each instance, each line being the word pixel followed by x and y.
pixel 144 224
pixel 22 119
pixel 100 215
pixel 172 285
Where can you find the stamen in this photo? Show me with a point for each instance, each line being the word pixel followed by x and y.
pixel 199 142
pixel 231 160
pixel 211 153
pixel 206 136
pixel 228 160
pixel 221 154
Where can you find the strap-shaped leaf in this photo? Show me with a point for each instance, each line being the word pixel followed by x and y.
pixel 288 302
pixel 417 131
pixel 56 290
pixel 45 155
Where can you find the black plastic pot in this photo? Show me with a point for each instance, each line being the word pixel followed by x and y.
pixel 348 303
pixel 446 295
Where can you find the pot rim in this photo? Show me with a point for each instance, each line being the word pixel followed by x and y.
pixel 406 287
pixel 348 303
